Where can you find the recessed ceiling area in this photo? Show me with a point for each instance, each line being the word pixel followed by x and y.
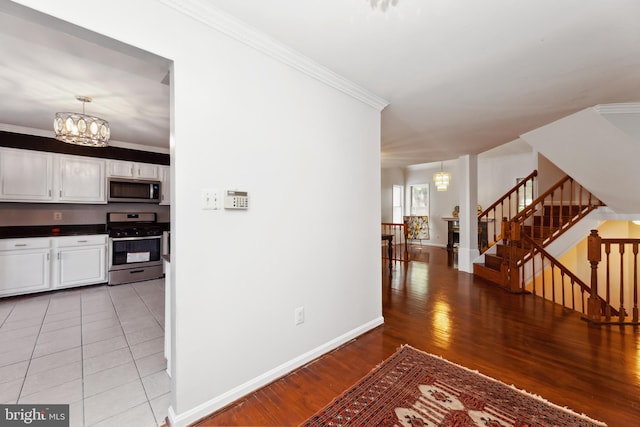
pixel 46 62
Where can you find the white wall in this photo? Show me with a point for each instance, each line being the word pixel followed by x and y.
pixel 441 203
pixel 309 156
pixel 497 173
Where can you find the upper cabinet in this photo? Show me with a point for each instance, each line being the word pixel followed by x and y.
pixel 81 180
pixel 44 177
pixel 33 176
pixel 133 170
pixel 165 186
pixel 26 175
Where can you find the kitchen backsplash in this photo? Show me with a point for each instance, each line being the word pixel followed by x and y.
pixel 21 214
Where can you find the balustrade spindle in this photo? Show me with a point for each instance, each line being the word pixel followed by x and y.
pixel 635 282
pixel 621 309
pixel 607 314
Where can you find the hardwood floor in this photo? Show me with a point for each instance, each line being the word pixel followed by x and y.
pixel 518 339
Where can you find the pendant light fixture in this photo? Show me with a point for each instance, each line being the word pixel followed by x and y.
pixel 80 129
pixel 442 179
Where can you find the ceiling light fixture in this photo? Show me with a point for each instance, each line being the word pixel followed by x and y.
pixel 382 4
pixel 80 129
pixel 441 179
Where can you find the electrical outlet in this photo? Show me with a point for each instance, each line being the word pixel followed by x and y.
pixel 57 216
pixel 299 316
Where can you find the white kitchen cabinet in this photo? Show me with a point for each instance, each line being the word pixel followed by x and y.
pixel 25 175
pixel 79 260
pixel 133 170
pixel 80 180
pixel 165 185
pixel 25 265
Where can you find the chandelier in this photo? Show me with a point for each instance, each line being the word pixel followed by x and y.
pixel 80 129
pixel 382 4
pixel 441 179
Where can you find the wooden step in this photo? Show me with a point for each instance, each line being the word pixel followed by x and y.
pixel 548 220
pixel 493 261
pixel 502 251
pixel 486 273
pixel 564 210
pixel 537 232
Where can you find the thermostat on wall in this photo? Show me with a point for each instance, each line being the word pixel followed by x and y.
pixel 236 200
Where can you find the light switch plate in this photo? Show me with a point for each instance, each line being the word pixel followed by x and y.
pixel 209 199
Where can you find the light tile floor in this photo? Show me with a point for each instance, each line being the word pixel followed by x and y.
pixel 99 348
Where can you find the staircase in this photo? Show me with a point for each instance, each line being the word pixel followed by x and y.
pixel 542 221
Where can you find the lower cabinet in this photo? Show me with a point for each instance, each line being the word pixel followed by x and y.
pixel 80 260
pixel 25 265
pixel 39 264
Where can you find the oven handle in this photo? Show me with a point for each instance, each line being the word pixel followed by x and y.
pixel 120 239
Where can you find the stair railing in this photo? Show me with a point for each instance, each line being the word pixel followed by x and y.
pixel 621 265
pixel 506 206
pixel 399 244
pixel 565 205
pixel 544 220
pixel 543 275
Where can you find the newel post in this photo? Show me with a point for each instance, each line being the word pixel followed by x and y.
pixel 594 255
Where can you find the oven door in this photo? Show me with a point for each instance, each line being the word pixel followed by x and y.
pixel 129 252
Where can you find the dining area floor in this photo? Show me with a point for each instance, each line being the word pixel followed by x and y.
pixel 99 349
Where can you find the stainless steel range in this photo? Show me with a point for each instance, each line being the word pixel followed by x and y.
pixel 135 247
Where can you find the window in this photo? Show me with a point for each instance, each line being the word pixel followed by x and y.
pixel 418 199
pixel 396 202
pixel 525 194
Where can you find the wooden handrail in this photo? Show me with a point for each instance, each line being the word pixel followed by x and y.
pixel 553 230
pixel 537 249
pixel 498 211
pixel 525 213
pixel 510 192
pixel 544 220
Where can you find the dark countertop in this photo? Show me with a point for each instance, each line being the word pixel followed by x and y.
pixel 51 230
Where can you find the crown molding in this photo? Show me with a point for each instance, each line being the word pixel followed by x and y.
pixel 207 14
pixel 624 108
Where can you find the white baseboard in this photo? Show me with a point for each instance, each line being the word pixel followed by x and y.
pixel 212 405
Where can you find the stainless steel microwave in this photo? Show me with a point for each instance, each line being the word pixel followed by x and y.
pixel 133 190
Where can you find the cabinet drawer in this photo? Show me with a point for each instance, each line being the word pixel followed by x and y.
pixel 30 243
pixel 69 241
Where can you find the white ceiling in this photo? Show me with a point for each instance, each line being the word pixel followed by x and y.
pixel 461 76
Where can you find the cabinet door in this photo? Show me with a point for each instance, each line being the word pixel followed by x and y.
pixel 146 171
pixel 165 185
pixel 24 266
pixel 25 175
pixel 122 169
pixel 81 180
pixel 83 265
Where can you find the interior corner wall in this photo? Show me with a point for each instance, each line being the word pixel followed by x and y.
pixel 548 174
pixel 309 157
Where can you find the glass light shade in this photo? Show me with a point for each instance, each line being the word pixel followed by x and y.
pixel 441 180
pixel 80 129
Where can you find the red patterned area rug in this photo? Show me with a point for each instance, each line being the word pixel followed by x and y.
pixel 413 388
